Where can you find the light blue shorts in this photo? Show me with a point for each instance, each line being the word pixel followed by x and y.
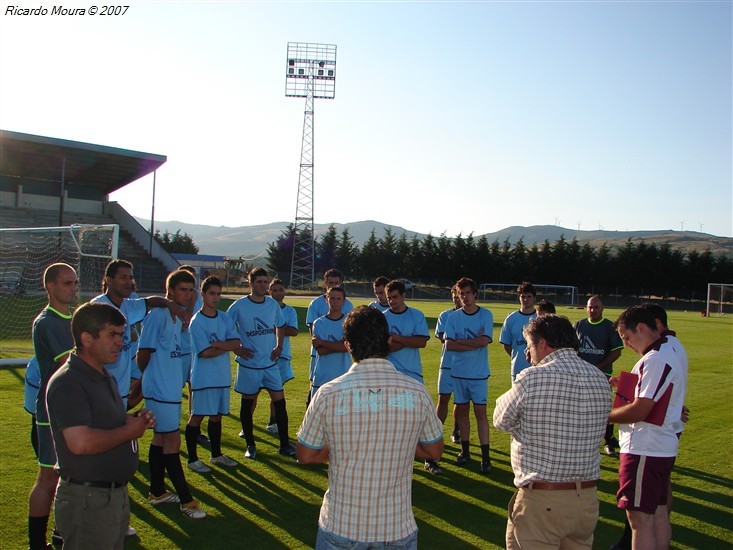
pixel 167 416
pixel 210 401
pixel 470 390
pixel 286 370
pixel 445 382
pixel 250 381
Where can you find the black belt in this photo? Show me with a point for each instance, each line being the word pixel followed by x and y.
pixel 95 484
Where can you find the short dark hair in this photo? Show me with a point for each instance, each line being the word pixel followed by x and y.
pixel 367 332
pixel 53 271
pixel 333 272
pixel 336 289
pixel 209 282
pixel 634 316
pixel 92 317
pixel 526 287
pixel 380 281
pixel 546 306
pixel 276 281
pixel 257 272
pixel 396 285
pixel 464 282
pixel 114 266
pixel 556 330
pixel 177 277
pixel 657 311
pixel 192 270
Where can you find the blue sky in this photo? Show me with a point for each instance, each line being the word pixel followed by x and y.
pixel 448 117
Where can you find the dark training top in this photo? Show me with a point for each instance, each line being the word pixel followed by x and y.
pixel 79 395
pixel 597 341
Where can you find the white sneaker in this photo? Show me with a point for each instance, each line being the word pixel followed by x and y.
pixel 164 498
pixel 271 429
pixel 199 467
pixel 131 531
pixel 193 510
pixel 224 460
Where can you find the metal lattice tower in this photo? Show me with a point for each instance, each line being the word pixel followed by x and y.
pixel 310 73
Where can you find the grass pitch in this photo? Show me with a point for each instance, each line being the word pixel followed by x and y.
pixel 273 503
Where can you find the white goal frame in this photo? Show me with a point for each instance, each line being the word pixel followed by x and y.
pixel 26 252
pixel 716 303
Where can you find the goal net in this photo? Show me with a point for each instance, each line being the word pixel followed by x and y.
pixel 24 255
pixel 720 299
pixel 560 295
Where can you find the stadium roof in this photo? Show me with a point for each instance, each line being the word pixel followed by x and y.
pixel 42 158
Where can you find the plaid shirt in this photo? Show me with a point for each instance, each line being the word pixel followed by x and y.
pixel 372 419
pixel 556 413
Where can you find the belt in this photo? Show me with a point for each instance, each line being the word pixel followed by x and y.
pixel 95 484
pixel 561 486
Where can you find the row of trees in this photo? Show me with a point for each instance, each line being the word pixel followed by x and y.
pixel 660 270
pixel 175 243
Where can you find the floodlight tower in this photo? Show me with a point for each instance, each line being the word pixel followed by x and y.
pixel 310 72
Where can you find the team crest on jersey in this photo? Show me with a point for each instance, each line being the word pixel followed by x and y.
pixel 262 328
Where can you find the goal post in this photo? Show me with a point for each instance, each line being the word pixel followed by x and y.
pixel 24 255
pixel 720 299
pixel 560 295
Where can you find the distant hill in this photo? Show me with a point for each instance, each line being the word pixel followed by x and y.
pixel 251 241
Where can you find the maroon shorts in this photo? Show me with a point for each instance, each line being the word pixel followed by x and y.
pixel 643 482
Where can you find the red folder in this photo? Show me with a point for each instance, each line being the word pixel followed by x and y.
pixel 627 382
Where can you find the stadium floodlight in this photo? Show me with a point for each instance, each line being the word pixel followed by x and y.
pixel 310 72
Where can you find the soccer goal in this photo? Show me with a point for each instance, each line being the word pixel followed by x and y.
pixel 720 299
pixel 560 295
pixel 24 255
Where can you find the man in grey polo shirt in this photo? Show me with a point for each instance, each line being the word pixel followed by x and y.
pixel 96 441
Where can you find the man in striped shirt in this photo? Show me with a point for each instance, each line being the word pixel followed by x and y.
pixel 369 497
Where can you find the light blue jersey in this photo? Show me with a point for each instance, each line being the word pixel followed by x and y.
pixel 31 385
pixel 211 372
pixel 134 310
pixel 291 320
pixel 376 305
pixel 410 322
pixel 331 365
pixel 256 324
pixel 474 364
pixel 161 334
pixel 318 308
pixel 440 335
pixel 511 335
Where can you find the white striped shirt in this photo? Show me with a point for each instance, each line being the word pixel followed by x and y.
pixel 372 419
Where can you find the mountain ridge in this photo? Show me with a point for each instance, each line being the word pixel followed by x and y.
pixel 251 241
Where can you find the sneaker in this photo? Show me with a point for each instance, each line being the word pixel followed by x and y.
pixel 432 467
pixel 486 467
pixel 462 459
pixel 224 460
pixel 193 510
pixel 199 467
pixel 287 451
pixel 241 434
pixel 456 438
pixel 271 429
pixel 164 498
pixel 611 447
pixel 251 452
pixel 57 539
pixel 131 531
pixel 203 440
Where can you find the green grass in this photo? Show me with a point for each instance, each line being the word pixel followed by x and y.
pixel 274 503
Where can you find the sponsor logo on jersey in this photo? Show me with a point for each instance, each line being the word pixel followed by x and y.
pixel 262 328
pixel 589 348
pixel 176 353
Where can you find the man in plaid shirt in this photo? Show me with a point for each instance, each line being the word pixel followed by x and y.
pixel 556 412
pixel 369 497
